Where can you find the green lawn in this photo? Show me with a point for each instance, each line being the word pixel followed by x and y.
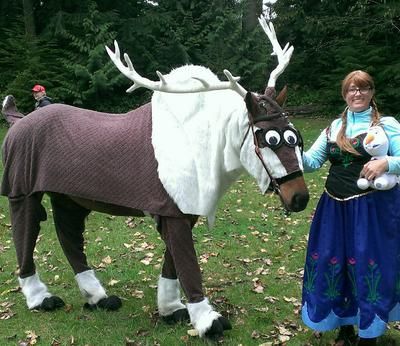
pixel 252 263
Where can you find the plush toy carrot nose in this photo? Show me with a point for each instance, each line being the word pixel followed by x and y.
pixel 370 137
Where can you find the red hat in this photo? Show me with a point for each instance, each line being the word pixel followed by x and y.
pixel 38 88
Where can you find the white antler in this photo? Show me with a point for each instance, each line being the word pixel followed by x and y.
pixel 162 85
pixel 283 55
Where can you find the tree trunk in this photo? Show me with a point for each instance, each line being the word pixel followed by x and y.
pixel 251 11
pixel 29 18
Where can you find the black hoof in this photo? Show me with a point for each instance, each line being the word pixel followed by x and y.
pixel 177 316
pixel 51 303
pixel 217 328
pixel 111 303
pixel 225 323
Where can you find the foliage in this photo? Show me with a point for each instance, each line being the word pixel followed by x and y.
pixel 332 38
pixel 25 62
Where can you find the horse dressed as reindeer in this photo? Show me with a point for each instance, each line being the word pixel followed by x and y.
pixel 172 159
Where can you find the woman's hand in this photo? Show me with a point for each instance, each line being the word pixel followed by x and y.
pixel 374 168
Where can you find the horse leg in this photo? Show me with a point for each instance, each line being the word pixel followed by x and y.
pixel 26 214
pixel 169 302
pixel 69 220
pixel 177 235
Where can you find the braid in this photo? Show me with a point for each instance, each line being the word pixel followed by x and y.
pixel 342 141
pixel 376 115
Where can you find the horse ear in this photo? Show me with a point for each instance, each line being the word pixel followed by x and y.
pixel 251 104
pixel 281 98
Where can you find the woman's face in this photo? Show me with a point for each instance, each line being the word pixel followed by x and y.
pixel 358 98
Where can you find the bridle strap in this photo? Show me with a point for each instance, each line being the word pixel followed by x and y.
pixel 274 182
pixel 275 185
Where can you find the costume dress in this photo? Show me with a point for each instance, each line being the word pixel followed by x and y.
pixel 352 267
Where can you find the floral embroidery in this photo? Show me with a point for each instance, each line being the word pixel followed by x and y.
pixel 332 279
pixel 334 150
pixel 310 273
pixel 373 279
pixel 355 142
pixel 347 159
pixel 350 265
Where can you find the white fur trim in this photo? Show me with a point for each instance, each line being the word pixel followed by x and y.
pixel 34 290
pixel 5 100
pixel 196 139
pixel 202 316
pixel 90 286
pixel 168 296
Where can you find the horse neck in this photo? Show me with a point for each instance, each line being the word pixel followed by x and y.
pixel 197 145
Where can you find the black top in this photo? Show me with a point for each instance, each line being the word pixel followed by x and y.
pixel 345 168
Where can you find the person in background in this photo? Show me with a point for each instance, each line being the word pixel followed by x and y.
pixel 39 94
pixel 352 267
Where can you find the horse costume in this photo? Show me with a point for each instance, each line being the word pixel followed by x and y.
pixel 172 159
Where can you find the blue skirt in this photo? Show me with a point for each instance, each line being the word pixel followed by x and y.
pixel 352 268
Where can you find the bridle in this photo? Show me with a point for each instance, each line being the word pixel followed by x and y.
pixel 275 182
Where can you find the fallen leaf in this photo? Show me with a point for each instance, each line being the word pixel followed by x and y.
pixel 107 260
pixel 113 282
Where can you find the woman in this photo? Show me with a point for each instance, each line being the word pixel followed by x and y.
pixel 352 268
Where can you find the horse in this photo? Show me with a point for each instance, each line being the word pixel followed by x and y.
pixel 171 159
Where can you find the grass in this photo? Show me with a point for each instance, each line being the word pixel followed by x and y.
pixel 252 265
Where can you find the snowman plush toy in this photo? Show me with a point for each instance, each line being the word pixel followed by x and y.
pixel 376 144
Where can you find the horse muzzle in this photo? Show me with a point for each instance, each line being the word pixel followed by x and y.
pixel 293 191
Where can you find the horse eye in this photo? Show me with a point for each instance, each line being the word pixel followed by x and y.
pixel 290 137
pixel 272 137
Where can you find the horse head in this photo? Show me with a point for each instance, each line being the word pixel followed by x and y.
pixel 278 146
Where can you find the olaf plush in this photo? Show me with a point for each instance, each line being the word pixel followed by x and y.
pixel 376 144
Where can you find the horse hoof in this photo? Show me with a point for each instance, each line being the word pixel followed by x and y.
pixel 177 316
pixel 217 328
pixel 111 303
pixel 51 303
pixel 225 323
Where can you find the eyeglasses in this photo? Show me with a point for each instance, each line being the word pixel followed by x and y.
pixel 362 91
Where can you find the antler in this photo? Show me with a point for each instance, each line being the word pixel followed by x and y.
pixel 283 55
pixel 162 85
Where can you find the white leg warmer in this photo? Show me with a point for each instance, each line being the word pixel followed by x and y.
pixel 202 316
pixel 34 290
pixel 90 287
pixel 168 296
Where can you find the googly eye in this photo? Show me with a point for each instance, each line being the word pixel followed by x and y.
pixel 290 137
pixel 272 138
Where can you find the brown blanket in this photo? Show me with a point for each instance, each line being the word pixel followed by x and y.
pixel 82 153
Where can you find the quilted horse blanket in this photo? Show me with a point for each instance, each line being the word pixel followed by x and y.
pixel 87 154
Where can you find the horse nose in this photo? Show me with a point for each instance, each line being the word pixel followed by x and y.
pixel 300 201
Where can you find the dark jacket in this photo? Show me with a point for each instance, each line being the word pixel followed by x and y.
pixel 44 101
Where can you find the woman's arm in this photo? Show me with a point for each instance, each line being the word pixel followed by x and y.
pixel 315 157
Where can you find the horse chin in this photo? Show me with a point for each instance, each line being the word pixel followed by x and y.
pixel 294 194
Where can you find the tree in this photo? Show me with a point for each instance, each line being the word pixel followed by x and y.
pixel 29 19
pixel 337 37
